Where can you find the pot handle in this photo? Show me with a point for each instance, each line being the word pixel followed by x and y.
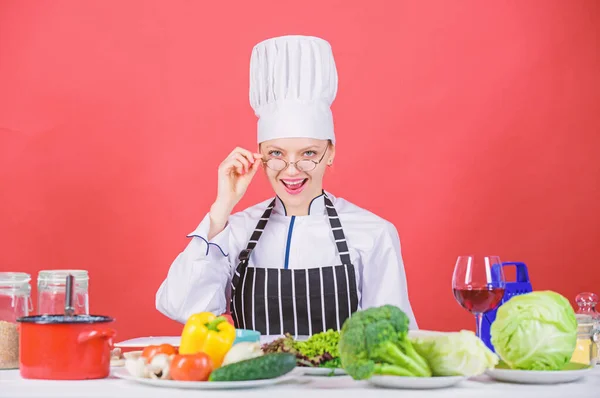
pixel 96 334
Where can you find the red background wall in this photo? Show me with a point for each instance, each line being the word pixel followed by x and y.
pixel 475 126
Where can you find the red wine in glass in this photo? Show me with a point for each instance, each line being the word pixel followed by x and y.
pixel 477 299
pixel 478 285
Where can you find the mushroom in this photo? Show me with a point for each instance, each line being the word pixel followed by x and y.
pixel 159 367
pixel 116 353
pixel 137 367
pixel 132 354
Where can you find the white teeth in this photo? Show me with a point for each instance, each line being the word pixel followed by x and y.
pixel 295 183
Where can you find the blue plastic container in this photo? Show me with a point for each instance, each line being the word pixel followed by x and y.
pixel 246 335
pixel 522 285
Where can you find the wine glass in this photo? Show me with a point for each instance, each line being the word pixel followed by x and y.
pixel 478 285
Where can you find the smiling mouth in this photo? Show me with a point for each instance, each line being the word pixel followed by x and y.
pixel 294 186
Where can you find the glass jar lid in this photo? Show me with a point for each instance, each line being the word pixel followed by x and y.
pixel 586 299
pixel 60 275
pixel 13 279
pixel 14 283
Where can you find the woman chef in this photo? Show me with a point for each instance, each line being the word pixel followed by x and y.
pixel 302 262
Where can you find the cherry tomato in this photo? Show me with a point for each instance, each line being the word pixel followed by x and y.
pixel 191 367
pixel 167 349
pixel 151 350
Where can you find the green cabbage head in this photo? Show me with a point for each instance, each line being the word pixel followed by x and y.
pixel 535 331
pixel 455 353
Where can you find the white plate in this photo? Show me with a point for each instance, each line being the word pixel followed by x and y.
pixel 421 383
pixel 537 376
pixel 202 385
pixel 308 371
pixel 151 340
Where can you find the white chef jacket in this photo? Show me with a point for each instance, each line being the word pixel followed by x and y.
pixel 199 278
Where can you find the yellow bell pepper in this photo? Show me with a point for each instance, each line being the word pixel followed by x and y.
pixel 207 333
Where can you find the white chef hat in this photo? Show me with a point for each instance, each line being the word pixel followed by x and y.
pixel 293 82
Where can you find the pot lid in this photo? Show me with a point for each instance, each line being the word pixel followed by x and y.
pixel 64 319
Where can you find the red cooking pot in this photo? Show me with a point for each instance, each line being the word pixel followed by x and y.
pixel 59 347
pixel 65 347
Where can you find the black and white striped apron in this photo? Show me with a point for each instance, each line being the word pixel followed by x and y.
pixel 301 302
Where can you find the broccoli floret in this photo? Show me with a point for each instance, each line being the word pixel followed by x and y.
pixel 375 341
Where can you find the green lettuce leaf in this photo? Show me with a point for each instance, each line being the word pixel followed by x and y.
pixel 455 353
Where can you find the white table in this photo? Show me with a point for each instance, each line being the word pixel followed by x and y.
pixel 13 386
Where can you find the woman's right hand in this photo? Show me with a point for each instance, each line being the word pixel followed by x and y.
pixel 234 176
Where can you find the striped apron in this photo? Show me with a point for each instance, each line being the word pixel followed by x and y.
pixel 302 302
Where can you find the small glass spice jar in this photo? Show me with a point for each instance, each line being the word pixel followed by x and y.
pixel 52 288
pixel 586 303
pixel 588 337
pixel 15 302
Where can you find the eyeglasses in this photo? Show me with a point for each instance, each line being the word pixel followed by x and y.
pixel 278 164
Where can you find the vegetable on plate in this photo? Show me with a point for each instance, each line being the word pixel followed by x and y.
pixel 455 353
pixel 242 351
pixel 191 367
pixel 150 351
pixel 160 367
pixel 535 331
pixel 322 348
pixel 207 353
pixel 137 367
pixel 319 350
pixel 199 368
pixel 375 341
pixel 207 333
pixel 268 366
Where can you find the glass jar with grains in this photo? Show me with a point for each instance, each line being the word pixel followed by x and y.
pixel 15 302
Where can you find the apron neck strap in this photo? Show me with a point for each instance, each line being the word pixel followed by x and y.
pixel 260 227
pixel 338 233
pixel 334 222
